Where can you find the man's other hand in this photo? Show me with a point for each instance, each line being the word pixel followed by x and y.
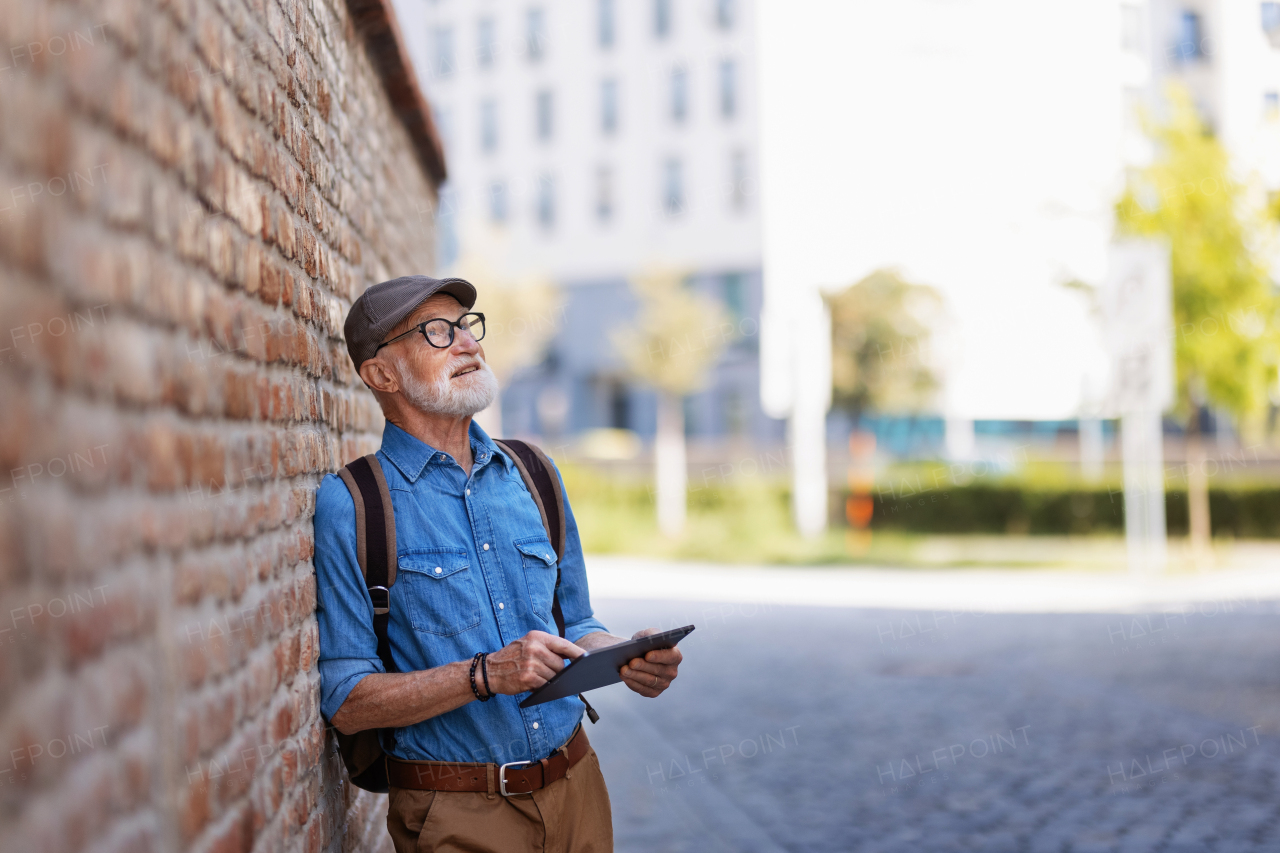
pixel 528 663
pixel 653 673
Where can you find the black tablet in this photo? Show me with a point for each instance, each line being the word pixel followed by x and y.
pixel 600 668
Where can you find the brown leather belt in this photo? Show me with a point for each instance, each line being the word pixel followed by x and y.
pixel 516 777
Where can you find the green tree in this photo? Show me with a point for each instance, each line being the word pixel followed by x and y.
pixel 676 337
pixel 880 342
pixel 1223 304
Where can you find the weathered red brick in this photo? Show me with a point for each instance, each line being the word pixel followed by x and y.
pixel 228 201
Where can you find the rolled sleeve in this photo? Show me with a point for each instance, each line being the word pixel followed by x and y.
pixel 575 597
pixel 344 611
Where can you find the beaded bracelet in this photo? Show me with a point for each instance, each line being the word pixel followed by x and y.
pixel 475 660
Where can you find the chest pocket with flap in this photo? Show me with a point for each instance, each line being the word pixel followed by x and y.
pixel 539 561
pixel 439 590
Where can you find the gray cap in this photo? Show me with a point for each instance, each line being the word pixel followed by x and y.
pixel 381 308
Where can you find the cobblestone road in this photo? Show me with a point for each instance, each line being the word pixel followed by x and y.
pixel 828 729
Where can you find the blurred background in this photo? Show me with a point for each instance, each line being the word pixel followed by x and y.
pixel 680 208
pixel 923 354
pixel 977 296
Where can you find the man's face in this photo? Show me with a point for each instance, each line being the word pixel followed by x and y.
pixel 454 381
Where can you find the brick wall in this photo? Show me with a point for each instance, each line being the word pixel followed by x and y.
pixel 192 192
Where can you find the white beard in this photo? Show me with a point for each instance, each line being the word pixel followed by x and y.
pixel 459 397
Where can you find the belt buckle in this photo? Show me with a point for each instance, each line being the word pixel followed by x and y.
pixel 502 778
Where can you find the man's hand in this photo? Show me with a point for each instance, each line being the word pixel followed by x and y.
pixel 653 673
pixel 528 663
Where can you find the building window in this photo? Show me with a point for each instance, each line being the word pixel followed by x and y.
pixel 735 413
pixel 726 12
pixel 486 43
pixel 1132 99
pixel 735 296
pixel 498 202
pixel 1131 39
pixel 1190 41
pixel 604 194
pixel 442 52
pixel 546 200
pixel 1271 18
pixel 673 187
pixel 606 23
pixel 447 226
pixel 661 18
pixel 728 89
pixel 609 106
pixel 535 34
pixel 1271 104
pixel 679 95
pixel 544 112
pixel 443 119
pixel 739 181
pixel 619 405
pixel 489 125
pixel 692 421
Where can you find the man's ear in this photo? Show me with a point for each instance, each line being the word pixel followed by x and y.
pixel 378 376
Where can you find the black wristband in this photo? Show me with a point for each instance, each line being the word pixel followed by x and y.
pixel 484 669
pixel 475 660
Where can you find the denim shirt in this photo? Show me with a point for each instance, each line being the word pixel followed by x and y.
pixel 476 571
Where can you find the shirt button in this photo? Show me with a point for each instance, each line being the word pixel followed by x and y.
pixel 439 570
pixel 486 546
pixel 501 606
pixel 535 725
pixel 468 493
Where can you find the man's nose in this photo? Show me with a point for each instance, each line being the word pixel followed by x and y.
pixel 464 343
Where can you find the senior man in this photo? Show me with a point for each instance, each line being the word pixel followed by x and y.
pixel 475 574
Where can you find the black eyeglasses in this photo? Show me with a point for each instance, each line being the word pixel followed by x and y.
pixel 439 332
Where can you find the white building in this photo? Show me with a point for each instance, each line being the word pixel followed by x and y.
pixel 590 140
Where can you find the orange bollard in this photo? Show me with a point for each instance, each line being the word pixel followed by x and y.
pixel 860 505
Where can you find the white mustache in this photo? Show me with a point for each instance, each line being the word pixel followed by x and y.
pixel 458 364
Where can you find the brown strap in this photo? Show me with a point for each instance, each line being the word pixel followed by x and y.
pixel 371 471
pixel 362 545
pixel 475 778
pixel 388 515
pixel 376 549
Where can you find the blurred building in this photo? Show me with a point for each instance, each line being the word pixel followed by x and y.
pixel 1227 53
pixel 588 141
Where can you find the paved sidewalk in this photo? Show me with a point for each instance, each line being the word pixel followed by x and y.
pixel 944 726
pixel 987 590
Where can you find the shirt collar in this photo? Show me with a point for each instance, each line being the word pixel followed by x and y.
pixel 412 455
pixel 407 453
pixel 483 448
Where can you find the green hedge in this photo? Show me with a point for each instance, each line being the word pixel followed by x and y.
pixel 1243 513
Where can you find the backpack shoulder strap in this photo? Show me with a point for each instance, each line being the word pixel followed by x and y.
pixel 540 478
pixel 375 541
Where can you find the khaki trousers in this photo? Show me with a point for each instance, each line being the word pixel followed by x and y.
pixel 571 815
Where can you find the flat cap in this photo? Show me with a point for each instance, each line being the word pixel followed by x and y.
pixel 381 308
